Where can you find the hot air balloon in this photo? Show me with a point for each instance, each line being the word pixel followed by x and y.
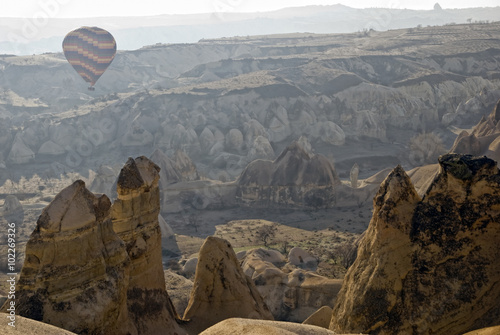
pixel 89 50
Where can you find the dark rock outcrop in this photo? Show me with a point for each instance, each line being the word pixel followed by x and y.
pixel 297 178
pixel 428 265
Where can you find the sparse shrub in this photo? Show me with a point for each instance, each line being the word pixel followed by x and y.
pixel 266 233
pixel 193 222
pixel 346 254
pixel 282 245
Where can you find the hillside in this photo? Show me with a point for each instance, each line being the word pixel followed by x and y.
pixel 25 36
pixel 358 98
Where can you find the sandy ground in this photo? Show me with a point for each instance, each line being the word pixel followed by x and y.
pixel 318 232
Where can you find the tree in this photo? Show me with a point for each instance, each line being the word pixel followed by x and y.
pixel 194 222
pixel 266 233
pixel 347 253
pixel 283 246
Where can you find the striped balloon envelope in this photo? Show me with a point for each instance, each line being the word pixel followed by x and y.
pixel 89 50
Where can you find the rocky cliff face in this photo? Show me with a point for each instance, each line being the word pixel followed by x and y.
pixel 428 265
pixel 221 289
pixel 227 102
pixel 95 268
pixel 484 138
pixel 135 219
pixel 76 271
pixel 297 178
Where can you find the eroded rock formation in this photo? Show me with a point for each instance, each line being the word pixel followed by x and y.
pixel 95 268
pixel 297 178
pixel 320 318
pixel 176 169
pixel 76 271
pixel 221 289
pixel 428 265
pixel 12 210
pixel 135 219
pixel 290 296
pixel 179 289
pixel 484 138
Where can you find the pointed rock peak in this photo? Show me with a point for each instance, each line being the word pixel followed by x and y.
pixel 160 158
pixel 221 289
pixel 397 187
pixel 74 207
pixel 184 162
pixel 158 155
pixel 300 148
pixel 465 167
pixel 138 172
pixel 463 133
pixel 11 204
pixel 217 248
pixel 495 115
pixel 149 171
pixel 305 145
pixel 130 177
pixel 180 155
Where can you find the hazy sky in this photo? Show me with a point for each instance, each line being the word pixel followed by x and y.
pixel 92 8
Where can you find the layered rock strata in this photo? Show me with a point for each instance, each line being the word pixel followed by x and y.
pixel 135 219
pixel 431 265
pixel 95 268
pixel 76 271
